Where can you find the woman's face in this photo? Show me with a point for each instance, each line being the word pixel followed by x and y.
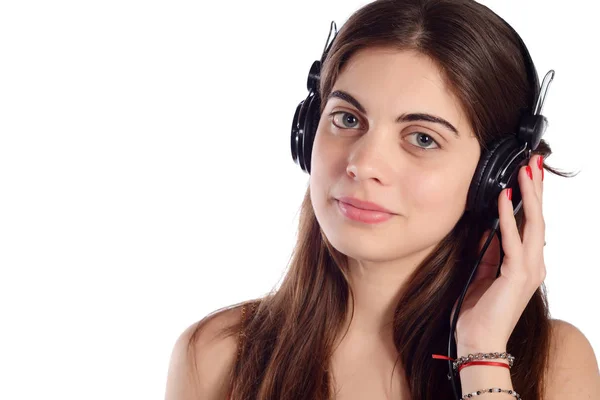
pixel 376 141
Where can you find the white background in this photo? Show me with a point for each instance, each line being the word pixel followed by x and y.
pixel 146 177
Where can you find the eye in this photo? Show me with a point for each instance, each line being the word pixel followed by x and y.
pixel 346 120
pixel 424 139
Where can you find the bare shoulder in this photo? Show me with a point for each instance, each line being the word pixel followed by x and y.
pixel 573 366
pixel 203 357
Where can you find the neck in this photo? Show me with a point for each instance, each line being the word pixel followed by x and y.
pixel 377 287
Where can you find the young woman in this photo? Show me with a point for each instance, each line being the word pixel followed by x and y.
pixel 412 93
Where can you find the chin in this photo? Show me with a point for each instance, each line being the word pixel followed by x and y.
pixel 364 244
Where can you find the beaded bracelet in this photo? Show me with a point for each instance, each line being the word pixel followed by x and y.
pixel 491 390
pixel 483 356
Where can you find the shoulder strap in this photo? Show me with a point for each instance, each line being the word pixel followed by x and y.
pixel 245 316
pixel 242 334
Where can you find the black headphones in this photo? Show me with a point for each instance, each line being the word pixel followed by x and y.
pixel 498 165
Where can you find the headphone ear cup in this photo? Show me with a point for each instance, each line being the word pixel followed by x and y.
pixel 311 123
pixel 487 183
pixel 476 183
pixel 306 120
pixel 298 131
pixel 296 139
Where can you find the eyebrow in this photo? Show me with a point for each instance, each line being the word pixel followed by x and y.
pixel 402 118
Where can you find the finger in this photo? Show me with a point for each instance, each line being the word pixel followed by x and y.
pixel 537 175
pixel 539 178
pixel 533 227
pixel 511 241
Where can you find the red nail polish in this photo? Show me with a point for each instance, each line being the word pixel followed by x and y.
pixel 529 172
pixel 540 162
pixel 509 193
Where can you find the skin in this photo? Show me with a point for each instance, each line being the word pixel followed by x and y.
pixel 420 170
pixel 367 154
pixel 392 164
pixel 378 160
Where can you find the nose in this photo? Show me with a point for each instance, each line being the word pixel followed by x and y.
pixel 369 158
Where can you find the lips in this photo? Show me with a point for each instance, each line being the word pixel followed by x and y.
pixel 361 215
pixel 364 205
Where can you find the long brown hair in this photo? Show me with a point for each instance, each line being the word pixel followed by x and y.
pixel 291 335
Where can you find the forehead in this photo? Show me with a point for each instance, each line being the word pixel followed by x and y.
pixel 390 81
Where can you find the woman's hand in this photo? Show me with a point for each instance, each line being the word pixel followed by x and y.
pixel 492 307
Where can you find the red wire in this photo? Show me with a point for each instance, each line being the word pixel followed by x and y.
pixel 491 363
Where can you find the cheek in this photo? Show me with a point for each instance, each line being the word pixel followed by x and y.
pixel 320 173
pixel 438 191
pixel 327 157
pixel 316 160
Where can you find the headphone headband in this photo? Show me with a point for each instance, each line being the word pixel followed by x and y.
pixel 535 129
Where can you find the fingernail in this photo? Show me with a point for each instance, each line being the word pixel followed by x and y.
pixel 509 193
pixel 529 172
pixel 540 162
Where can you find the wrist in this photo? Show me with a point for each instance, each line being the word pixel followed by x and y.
pixel 472 357
pixel 482 372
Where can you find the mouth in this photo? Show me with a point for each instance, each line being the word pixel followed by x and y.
pixel 364 205
pixel 361 215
